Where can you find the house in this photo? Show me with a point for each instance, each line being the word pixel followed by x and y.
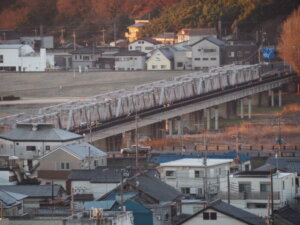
pixel 207 53
pixel 161 59
pixel 151 200
pixel 221 213
pixel 283 164
pixel 250 190
pixel 193 35
pixel 240 52
pixel 182 56
pixel 85 58
pixel 134 29
pixel 37 42
pixel 130 60
pixel 98 181
pixel 188 175
pixel 23 58
pixel 144 45
pixel 36 195
pixel 57 164
pixel 286 216
pixel 11 203
pixel 29 141
pixel 166 38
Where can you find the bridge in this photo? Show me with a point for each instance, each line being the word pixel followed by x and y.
pixel 163 104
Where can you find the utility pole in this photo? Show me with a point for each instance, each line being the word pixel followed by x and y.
pixel 42 35
pixel 74 40
pixel 205 168
pixel 62 40
pixel 115 31
pixel 272 196
pixel 136 142
pixel 228 187
pixel 103 35
pixel 89 158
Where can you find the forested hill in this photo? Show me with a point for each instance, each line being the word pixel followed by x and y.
pixel 89 17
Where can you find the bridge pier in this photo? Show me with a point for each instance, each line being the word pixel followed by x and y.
pixel 170 126
pixel 272 97
pixel 249 107
pixel 280 98
pixel 231 109
pixel 207 118
pixel 216 118
pixel 242 108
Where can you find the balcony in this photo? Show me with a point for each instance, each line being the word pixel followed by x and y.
pixel 249 195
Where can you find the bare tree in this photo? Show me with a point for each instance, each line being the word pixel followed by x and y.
pixel 289 45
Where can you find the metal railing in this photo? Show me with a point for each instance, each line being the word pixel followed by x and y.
pixel 249 195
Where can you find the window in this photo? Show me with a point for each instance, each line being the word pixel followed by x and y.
pixel 1 58
pixel 179 64
pixel 86 58
pixel 197 59
pixel 95 163
pixel 163 66
pixel 244 187
pixel 205 59
pixel 170 173
pixel 130 47
pixel 47 148
pixel 197 173
pixel 282 185
pixel 231 54
pixel 209 50
pixel 30 148
pixel 64 166
pixel 205 216
pixel 265 187
pixel 149 48
pixel 154 67
pixel 185 190
pixel 213 59
pixel 213 215
pixel 256 205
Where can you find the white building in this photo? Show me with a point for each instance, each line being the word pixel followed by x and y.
pixel 31 141
pixel 188 175
pixel 38 41
pixel 24 58
pixel 206 53
pixel 144 45
pixel 161 59
pixel 130 60
pixel 251 190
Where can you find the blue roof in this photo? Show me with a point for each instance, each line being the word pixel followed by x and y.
pixel 227 155
pixel 105 205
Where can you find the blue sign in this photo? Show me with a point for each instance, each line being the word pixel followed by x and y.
pixel 268 53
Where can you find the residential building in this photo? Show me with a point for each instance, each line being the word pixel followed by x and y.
pixel 193 35
pixel 8 166
pixel 134 29
pixel 251 190
pixel 161 59
pixel 29 141
pixel 191 176
pixel 166 38
pixel 36 195
pixel 85 58
pixel 130 60
pixel 11 203
pixel 144 45
pixel 283 164
pixel 221 213
pixel 240 52
pixel 23 58
pixel 151 200
pixel 37 42
pixel 182 56
pixel 207 53
pixel 57 164
pixel 286 216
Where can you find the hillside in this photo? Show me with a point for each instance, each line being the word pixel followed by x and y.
pixel 89 17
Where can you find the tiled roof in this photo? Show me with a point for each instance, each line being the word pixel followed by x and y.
pixel 83 150
pixel 212 40
pixel 34 191
pixel 232 211
pixel 287 164
pixel 43 132
pixel 8 199
pixel 83 197
pixel 288 214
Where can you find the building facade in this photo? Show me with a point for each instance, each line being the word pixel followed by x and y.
pixel 130 60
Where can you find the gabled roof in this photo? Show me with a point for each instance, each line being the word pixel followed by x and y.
pixel 82 150
pixel 288 214
pixel 33 191
pixel 148 39
pixel 39 132
pixel 130 53
pixel 230 211
pixel 168 51
pixel 287 164
pixel 87 50
pixel 10 199
pixel 211 39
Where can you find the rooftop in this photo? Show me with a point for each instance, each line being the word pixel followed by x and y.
pixel 33 191
pixel 130 53
pixel 196 162
pixel 211 39
pixel 287 164
pixel 12 46
pixel 148 39
pixel 38 132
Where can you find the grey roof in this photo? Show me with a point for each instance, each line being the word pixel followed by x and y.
pixel 286 164
pixel 130 53
pixel 154 187
pixel 167 51
pixel 82 175
pixel 87 50
pixel 166 35
pixel 211 39
pixel 43 132
pixel 8 199
pixel 288 214
pixel 12 46
pixel 231 211
pixel 182 46
pixel 83 150
pixel 148 39
pixel 33 191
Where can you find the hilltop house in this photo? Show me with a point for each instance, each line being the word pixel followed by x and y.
pixel 134 29
pixel 57 164
pixel 166 38
pixel 193 35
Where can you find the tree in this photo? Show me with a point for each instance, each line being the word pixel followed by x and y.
pixel 289 45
